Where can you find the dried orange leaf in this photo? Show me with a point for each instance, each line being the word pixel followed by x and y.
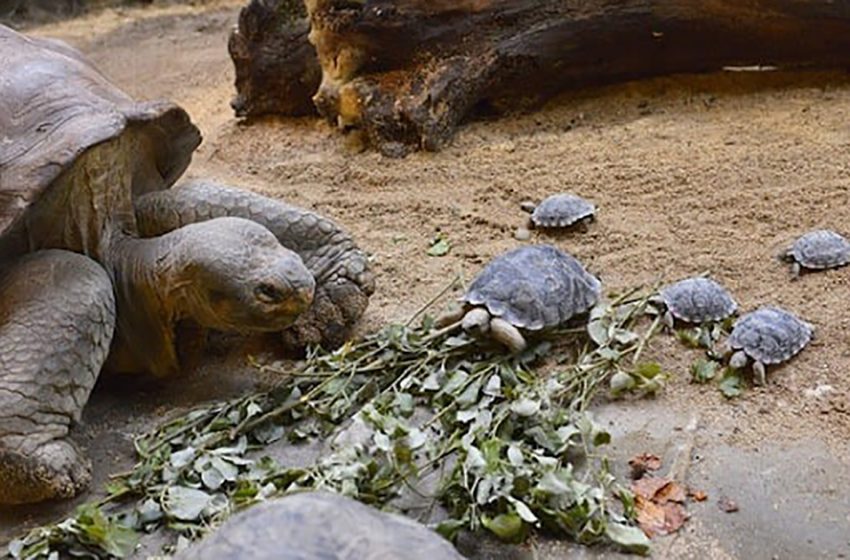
pixel 642 463
pixel 698 495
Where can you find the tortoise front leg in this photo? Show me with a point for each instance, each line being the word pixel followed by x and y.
pixel 57 316
pixel 341 269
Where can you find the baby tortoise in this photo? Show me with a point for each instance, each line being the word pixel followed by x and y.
pixel 560 211
pixel 817 250
pixel 530 288
pixel 696 300
pixel 768 335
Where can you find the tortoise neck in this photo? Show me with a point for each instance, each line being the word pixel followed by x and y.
pixel 146 275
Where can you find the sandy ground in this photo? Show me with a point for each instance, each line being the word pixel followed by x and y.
pixel 709 173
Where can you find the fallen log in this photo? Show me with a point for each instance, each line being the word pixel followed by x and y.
pixel 276 66
pixel 406 72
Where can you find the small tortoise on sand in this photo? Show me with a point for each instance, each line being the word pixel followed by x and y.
pixel 75 154
pixel 321 526
pixel 531 288
pixel 817 250
pixel 768 335
pixel 696 300
pixel 560 211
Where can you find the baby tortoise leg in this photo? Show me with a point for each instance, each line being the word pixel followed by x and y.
pixel 57 317
pixel 476 321
pixel 787 256
pixel 738 360
pixel 505 333
pixel 669 320
pixel 759 373
pixel 344 281
pixel 796 269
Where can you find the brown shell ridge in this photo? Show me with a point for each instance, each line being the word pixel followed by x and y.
pixel 54 106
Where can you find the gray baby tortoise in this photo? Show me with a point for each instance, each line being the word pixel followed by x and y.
pixel 320 526
pixel 768 335
pixel 817 250
pixel 529 288
pixel 91 281
pixel 560 211
pixel 696 300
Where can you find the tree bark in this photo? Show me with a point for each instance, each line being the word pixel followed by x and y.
pixel 276 66
pixel 406 72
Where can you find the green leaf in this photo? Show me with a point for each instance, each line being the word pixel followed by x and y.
pixel 523 510
pixel 515 455
pixel 507 526
pixel 439 248
pixel 180 459
pixel 703 370
pixel 494 386
pixel 474 459
pixel 416 438
pixel 598 332
pixel 630 538
pixel 690 338
pixel 609 354
pixel 186 504
pixel 149 511
pixel 625 337
pixel 15 548
pixel 731 385
pixel 621 382
pixel 525 407
pixel 648 370
pixel 601 437
pixel 404 403
pixel 450 528
pixel 114 538
pixel 212 478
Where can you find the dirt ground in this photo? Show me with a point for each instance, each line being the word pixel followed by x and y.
pixel 709 173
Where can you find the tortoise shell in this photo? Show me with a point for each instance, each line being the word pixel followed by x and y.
pixel 770 335
pixel 562 210
pixel 534 287
pixel 698 300
pixel 55 106
pixel 821 249
pixel 321 526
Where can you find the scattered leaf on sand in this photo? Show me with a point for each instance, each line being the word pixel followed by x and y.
pixel 643 463
pixel 659 504
pixel 727 504
pixel 439 248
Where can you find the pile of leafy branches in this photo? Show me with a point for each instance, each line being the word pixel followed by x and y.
pixel 513 450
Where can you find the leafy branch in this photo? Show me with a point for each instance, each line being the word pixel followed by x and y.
pixel 513 449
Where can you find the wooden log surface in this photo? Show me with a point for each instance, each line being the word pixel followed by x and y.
pixel 406 72
pixel 276 66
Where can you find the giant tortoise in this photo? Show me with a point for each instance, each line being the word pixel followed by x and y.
pixel 321 526
pixel 79 262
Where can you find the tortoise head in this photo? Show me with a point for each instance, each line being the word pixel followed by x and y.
pixel 234 275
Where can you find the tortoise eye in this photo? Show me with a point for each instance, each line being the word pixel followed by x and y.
pixel 268 293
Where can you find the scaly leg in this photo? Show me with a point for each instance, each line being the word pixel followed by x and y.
pixel 57 317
